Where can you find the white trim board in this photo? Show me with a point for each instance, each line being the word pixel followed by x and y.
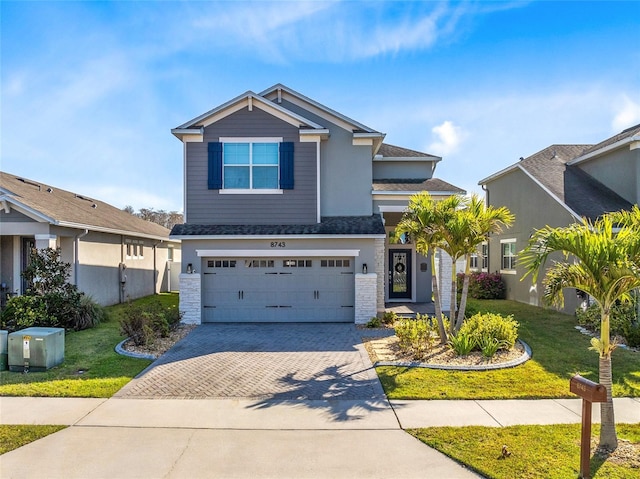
pixel 280 253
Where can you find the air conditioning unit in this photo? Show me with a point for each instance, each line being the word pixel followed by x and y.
pixel 36 349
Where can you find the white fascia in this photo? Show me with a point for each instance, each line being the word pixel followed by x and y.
pixel 280 253
pixel 631 141
pixel 8 202
pixel 272 237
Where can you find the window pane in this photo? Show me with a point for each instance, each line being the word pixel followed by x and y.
pixel 236 177
pixel 265 153
pixel 236 153
pixel 265 177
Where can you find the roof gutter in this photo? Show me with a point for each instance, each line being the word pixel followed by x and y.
pixel 631 141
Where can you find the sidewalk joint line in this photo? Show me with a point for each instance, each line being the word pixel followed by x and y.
pixel 490 415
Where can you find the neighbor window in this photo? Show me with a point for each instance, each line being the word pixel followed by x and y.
pixel 508 248
pixel 485 256
pixel 250 166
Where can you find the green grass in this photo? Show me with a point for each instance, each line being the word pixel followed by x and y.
pixel 91 367
pixel 13 437
pixel 544 452
pixel 559 352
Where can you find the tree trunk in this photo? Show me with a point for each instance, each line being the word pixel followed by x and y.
pixel 442 332
pixel 465 293
pixel 608 436
pixel 452 306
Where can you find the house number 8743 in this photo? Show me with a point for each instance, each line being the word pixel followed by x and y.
pixel 278 244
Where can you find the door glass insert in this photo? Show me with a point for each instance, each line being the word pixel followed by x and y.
pixel 400 272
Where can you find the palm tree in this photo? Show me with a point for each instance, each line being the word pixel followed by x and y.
pixel 607 269
pixel 481 221
pixel 423 223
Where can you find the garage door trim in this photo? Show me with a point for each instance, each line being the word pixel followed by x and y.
pixel 279 252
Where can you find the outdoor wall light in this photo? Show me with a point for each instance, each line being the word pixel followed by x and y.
pixel 364 268
pixel 189 268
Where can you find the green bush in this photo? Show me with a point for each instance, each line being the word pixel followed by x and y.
pixel 26 311
pixel 483 327
pixel 622 321
pixel 144 324
pixel 374 322
pixel 490 346
pixel 389 318
pixel 462 344
pixel 414 336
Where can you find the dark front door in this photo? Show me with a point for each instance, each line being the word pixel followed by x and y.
pixel 400 274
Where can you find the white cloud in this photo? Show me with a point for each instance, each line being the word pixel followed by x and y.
pixel 627 114
pixel 449 138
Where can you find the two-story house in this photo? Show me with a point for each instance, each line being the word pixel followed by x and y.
pixel 559 186
pixel 288 209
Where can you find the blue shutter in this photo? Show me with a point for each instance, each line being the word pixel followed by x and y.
pixel 286 165
pixel 215 166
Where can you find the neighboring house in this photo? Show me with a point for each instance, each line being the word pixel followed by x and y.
pixel 557 187
pixel 114 255
pixel 288 209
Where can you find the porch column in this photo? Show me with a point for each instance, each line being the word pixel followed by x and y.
pixel 190 298
pixel 444 266
pixel 366 297
pixel 380 262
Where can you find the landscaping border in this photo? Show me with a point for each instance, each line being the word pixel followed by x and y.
pixel 476 367
pixel 120 350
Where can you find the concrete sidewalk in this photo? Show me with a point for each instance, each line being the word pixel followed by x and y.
pixel 175 438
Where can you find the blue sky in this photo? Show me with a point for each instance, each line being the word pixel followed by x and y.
pixel 90 90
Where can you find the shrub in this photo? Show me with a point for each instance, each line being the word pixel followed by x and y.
pixel 414 336
pixel 622 321
pixel 462 344
pixel 483 285
pixel 24 312
pixel 374 322
pixel 389 318
pixel 485 326
pixel 489 346
pixel 144 324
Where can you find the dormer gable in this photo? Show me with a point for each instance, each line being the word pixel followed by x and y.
pixel 193 130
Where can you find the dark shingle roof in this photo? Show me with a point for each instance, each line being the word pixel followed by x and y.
pixel 411 184
pixel 71 209
pixel 628 133
pixel 578 190
pixel 329 225
pixel 392 151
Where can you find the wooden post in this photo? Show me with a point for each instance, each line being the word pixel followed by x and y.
pixel 590 392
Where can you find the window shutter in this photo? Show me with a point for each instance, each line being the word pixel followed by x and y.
pixel 286 165
pixel 215 166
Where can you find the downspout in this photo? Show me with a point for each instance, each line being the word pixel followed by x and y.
pixel 155 268
pixel 76 255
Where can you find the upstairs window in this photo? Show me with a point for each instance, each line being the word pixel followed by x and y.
pixel 251 165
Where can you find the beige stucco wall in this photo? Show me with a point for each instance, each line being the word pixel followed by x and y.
pixel 533 209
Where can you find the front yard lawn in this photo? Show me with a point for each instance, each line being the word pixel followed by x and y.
pixel 13 437
pixel 559 352
pixel 544 452
pixel 91 367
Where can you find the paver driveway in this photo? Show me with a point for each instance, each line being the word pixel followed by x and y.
pixel 265 361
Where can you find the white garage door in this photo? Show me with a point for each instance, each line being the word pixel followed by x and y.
pixel 278 289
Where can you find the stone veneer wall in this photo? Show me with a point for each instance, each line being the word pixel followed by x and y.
pixel 366 297
pixel 380 262
pixel 444 280
pixel 190 298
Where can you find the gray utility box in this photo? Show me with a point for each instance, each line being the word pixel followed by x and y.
pixel 4 339
pixel 36 349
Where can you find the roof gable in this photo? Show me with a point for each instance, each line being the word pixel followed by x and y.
pixel 247 100
pixel 630 137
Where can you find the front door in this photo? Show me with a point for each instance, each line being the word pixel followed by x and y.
pixel 400 274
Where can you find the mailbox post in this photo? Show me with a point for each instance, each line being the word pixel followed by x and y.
pixel 590 392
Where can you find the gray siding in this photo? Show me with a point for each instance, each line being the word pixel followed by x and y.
pixel 533 209
pixel 346 172
pixel 392 170
pixel 297 206
pixel 620 171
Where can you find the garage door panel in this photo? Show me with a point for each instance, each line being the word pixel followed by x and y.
pixel 278 290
